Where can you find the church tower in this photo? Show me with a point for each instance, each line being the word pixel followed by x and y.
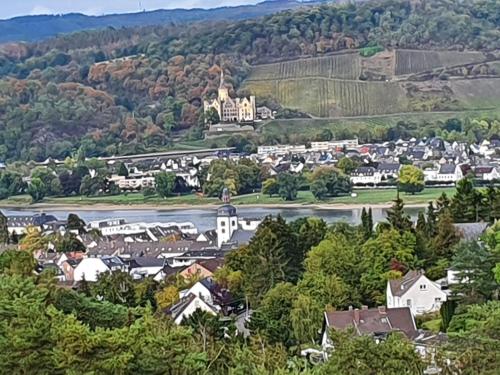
pixel 227 220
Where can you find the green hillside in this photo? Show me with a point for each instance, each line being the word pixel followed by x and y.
pixel 396 81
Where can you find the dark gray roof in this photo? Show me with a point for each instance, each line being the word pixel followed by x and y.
pixel 26 220
pixel 144 262
pixel 363 171
pixel 111 262
pixel 388 167
pixel 226 210
pixel 242 237
pixel 402 285
pixel 447 169
pixel 471 231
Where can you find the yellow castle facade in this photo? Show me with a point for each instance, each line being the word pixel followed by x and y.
pixel 229 109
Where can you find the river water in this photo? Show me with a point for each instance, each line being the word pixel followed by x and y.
pixel 204 219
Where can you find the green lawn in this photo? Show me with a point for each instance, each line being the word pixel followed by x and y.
pixel 366 197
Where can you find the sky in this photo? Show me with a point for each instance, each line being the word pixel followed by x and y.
pixel 14 8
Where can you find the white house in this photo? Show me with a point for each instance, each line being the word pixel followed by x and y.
pixel 200 289
pixel 231 229
pixel 90 268
pixel 366 175
pixel 187 306
pixel 415 291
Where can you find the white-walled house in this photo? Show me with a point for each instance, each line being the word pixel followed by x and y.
pixel 366 175
pixel 200 289
pixel 187 306
pixel 90 268
pixel 415 291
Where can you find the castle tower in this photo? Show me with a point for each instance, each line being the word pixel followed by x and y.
pixel 227 219
pixel 223 91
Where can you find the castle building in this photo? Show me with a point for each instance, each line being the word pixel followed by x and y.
pixel 229 109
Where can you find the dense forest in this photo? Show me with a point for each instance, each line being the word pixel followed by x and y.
pixel 119 91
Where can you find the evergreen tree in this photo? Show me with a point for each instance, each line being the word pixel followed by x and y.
pixel 466 205
pixel 431 221
pixel 123 170
pixel 75 223
pixel 397 217
pixel 443 202
pixel 446 237
pixel 366 223
pixel 4 230
pixel 421 226
pixel 447 311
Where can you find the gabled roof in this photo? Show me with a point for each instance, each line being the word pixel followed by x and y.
pixel 470 231
pixel 373 321
pixel 447 169
pixel 177 309
pixel 212 265
pixel 242 237
pixel 145 262
pixel 402 285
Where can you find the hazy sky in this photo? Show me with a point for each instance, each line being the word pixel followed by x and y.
pixel 13 8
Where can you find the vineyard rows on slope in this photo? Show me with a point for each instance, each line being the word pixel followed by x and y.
pixel 413 61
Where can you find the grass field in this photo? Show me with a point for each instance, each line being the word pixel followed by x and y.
pixel 364 197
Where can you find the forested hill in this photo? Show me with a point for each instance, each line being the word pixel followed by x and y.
pixel 119 91
pixel 32 28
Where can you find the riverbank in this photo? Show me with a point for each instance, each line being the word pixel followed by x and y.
pixel 136 201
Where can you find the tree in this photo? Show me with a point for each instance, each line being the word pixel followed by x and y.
pixel 474 263
pixel 466 204
pixel 115 287
pixel 122 170
pixel 272 318
pixel 14 262
pixel 37 189
pixel 395 355
pixel 69 243
pixel 446 311
pixel 367 223
pixel 319 189
pixel 411 179
pixel 167 296
pixel 347 165
pixel 306 318
pixel 75 223
pixel 446 236
pixel 327 181
pixel 397 217
pixel 211 116
pixel 4 230
pixel 288 185
pixel 270 187
pixel 165 182
pixel 32 241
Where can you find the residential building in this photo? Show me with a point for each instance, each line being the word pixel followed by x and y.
pixel 365 175
pixel 203 268
pixel 90 268
pixel 415 291
pixel 187 306
pixel 19 224
pixel 376 322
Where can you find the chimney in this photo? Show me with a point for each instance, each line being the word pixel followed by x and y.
pixel 381 310
pixel 356 315
pixel 364 307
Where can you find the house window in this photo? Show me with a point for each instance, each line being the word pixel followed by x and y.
pixel 233 222
pixel 223 231
pixel 408 302
pixel 223 223
pixel 423 287
pixel 437 300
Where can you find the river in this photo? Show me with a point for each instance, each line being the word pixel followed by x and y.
pixel 204 219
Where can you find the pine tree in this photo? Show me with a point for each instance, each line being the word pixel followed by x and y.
pixel 431 221
pixel 421 226
pixel 466 205
pixel 447 311
pixel 123 170
pixel 446 236
pixel 366 223
pixel 442 202
pixel 397 217
pixel 4 230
